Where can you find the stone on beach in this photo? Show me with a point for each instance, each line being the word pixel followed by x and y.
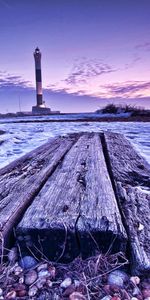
pixel 27 262
pixel 31 277
pixel 117 278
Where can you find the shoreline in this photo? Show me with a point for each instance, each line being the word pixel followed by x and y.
pixel 88 119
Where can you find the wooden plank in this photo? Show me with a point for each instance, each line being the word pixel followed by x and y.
pixel 99 210
pixel 76 206
pixel 131 175
pixel 21 180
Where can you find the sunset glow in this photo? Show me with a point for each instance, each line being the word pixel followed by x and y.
pixel 97 49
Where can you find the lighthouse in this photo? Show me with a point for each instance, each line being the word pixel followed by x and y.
pixel 40 107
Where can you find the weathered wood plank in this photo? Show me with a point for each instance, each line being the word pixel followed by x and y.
pixel 22 180
pixel 98 209
pixel 131 175
pixel 76 206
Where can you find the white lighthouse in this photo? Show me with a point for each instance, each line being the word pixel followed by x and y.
pixel 40 107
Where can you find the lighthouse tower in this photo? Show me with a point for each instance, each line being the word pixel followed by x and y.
pixel 40 107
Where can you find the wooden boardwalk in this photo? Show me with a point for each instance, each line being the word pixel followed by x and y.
pixel 78 194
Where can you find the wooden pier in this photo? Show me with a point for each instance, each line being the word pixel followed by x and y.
pixel 76 195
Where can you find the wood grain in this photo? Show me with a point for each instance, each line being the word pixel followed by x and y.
pixel 22 180
pixel 131 175
pixel 76 210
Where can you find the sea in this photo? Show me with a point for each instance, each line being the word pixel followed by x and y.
pixel 20 138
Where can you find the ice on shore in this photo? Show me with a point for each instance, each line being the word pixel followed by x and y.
pixel 21 138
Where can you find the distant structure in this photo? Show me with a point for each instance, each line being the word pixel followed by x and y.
pixel 40 107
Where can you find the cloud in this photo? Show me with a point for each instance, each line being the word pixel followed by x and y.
pixel 13 82
pixel 145 46
pixel 128 89
pixel 86 69
pixel 132 63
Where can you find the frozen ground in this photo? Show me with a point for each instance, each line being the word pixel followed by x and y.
pixel 20 138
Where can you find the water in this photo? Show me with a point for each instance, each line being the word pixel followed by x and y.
pixel 21 138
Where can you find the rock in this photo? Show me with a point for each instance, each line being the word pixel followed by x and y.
pixel 43 273
pixel 33 291
pixel 146 293
pixel 11 295
pixel 1 292
pixel 69 290
pixel 40 283
pixel 135 280
pixel 65 283
pixel 77 296
pixel 117 278
pixel 1 298
pixel 134 298
pixel 148 298
pixel 28 262
pixel 31 277
pixel 18 270
pixel 13 255
pixel 42 267
pixel 106 297
pixel 22 293
pixel 115 298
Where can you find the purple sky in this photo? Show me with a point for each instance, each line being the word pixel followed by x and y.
pixel 93 52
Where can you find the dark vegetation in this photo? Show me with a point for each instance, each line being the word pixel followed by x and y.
pixel 117 109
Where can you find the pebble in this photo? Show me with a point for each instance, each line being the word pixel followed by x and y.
pixel 1 292
pixel 134 298
pixel 1 298
pixel 69 290
pixel 76 296
pixel 42 267
pixel 148 298
pixel 11 295
pixel 65 283
pixel 135 280
pixel 22 293
pixel 18 270
pixel 33 291
pixel 13 255
pixel 28 262
pixel 146 293
pixel 43 273
pixel 115 298
pixel 117 278
pixel 106 297
pixel 31 277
